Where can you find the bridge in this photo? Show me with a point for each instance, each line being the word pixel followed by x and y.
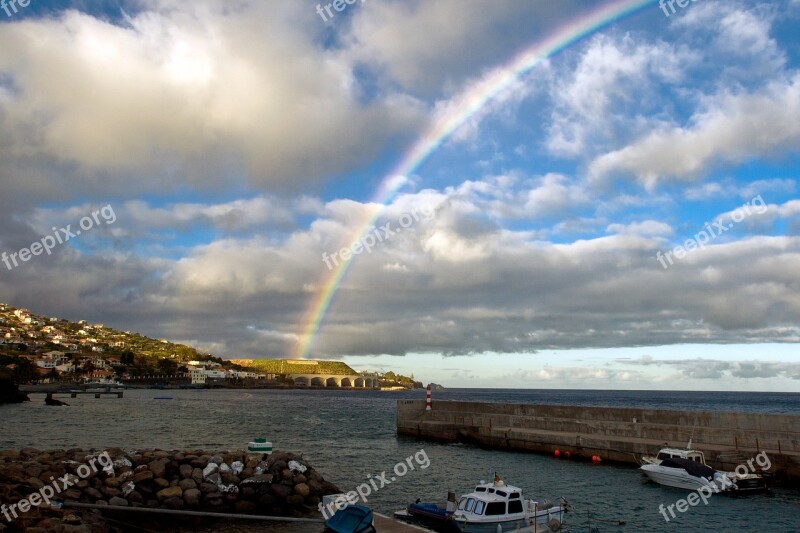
pixel 333 381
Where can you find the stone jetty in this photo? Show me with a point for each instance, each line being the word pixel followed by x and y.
pixel 9 392
pixel 280 484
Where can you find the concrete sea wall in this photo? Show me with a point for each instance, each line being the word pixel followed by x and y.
pixel 615 434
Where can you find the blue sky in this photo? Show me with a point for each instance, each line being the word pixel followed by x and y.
pixel 571 242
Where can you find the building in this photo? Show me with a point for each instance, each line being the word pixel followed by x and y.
pixel 197 375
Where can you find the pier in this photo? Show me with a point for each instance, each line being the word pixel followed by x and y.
pixel 75 393
pixel 620 435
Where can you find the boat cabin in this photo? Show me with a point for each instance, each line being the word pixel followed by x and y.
pixel 492 499
pixel 677 453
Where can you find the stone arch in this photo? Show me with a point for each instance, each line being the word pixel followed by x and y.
pixel 346 382
pixel 318 382
pixel 301 381
pixel 359 383
pixel 331 382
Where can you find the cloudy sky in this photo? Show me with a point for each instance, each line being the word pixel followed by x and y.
pixel 625 215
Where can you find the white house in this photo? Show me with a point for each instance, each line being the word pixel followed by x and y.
pixel 198 375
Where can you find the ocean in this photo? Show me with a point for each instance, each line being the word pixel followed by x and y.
pixel 349 436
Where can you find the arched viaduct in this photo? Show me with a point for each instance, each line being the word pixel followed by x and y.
pixel 332 381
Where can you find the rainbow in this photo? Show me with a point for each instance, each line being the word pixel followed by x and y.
pixel 459 110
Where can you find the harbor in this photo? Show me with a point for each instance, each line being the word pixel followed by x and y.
pixel 347 436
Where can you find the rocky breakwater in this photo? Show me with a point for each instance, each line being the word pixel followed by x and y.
pixel 281 484
pixel 9 392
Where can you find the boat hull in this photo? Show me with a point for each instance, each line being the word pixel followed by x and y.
pixel 677 478
pixel 543 521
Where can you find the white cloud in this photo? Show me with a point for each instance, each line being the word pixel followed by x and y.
pixel 733 128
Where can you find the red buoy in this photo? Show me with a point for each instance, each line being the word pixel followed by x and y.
pixel 558 453
pixel 567 454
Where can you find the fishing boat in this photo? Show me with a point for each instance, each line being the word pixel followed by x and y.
pixel 489 508
pixel 686 468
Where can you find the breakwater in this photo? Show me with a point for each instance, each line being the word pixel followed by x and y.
pixel 280 484
pixel 620 435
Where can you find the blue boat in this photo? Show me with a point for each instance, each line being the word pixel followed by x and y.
pixel 351 519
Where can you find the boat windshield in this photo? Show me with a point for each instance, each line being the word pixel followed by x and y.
pixel 479 506
pixel 466 504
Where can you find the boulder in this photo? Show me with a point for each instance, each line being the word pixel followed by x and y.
pixel 187 484
pixel 169 492
pixel 191 497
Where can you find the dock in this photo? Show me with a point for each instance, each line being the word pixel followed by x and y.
pixel 613 434
pixel 384 524
pixel 76 393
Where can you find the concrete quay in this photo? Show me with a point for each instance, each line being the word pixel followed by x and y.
pixel 620 435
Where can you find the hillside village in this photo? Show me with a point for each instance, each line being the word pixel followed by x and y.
pixel 49 350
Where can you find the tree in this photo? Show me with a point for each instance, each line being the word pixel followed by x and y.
pixel 127 358
pixel 167 366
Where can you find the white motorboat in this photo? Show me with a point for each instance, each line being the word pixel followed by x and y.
pixel 489 508
pixel 688 474
pixel 687 468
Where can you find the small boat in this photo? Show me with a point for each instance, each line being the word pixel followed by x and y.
pixel 686 468
pixel 688 474
pixel 489 508
pixel 351 519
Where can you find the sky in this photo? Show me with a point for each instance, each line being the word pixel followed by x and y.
pixel 622 213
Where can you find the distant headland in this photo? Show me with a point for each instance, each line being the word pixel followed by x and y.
pixel 54 352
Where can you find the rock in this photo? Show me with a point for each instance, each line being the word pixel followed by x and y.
pixel 185 471
pixel 83 528
pixel 229 478
pixel 281 491
pixel 191 497
pixel 295 499
pixel 187 484
pixel 93 493
pixel 267 500
pixel 217 459
pixel 245 507
pixel 116 500
pixel 174 503
pixel 208 488
pixel 210 469
pixel 158 467
pixel 143 475
pixel 136 497
pixel 161 483
pixel 258 479
pixel 9 392
pixel 127 488
pixel 35 483
pixel 302 490
pixel 71 494
pixel 110 492
pixel 197 475
pixel 213 500
pixel 170 492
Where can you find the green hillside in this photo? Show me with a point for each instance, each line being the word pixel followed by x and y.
pixel 284 366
